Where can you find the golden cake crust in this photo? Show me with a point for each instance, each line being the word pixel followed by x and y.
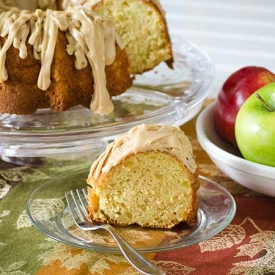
pixel 73 87
pixel 20 94
pixel 70 87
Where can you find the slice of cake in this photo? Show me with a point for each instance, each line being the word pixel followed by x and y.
pixel 147 176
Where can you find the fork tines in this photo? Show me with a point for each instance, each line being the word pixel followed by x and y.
pixel 77 203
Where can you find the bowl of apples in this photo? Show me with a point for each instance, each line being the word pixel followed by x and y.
pixel 238 130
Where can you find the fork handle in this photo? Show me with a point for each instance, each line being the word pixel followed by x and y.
pixel 133 256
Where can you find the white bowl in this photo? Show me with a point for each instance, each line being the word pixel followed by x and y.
pixel 257 177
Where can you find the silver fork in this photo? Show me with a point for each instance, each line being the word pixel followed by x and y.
pixel 77 204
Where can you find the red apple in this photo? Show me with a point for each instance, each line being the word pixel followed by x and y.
pixel 236 89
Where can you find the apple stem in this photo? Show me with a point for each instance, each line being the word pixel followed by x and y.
pixel 265 104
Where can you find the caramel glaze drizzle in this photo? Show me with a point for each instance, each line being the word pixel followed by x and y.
pixel 91 39
pixel 144 138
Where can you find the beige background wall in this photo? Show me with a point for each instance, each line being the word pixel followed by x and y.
pixel 234 33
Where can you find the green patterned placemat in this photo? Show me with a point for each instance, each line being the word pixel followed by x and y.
pixel 22 246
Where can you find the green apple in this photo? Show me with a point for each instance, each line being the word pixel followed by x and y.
pixel 255 126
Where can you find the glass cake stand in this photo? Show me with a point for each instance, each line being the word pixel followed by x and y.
pixel 163 95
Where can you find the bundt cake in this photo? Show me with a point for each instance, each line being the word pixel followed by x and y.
pixel 147 176
pixel 141 26
pixel 44 59
pixel 59 54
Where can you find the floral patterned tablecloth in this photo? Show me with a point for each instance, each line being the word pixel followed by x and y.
pixel 246 246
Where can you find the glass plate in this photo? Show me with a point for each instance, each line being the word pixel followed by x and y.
pixel 48 211
pixel 162 95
